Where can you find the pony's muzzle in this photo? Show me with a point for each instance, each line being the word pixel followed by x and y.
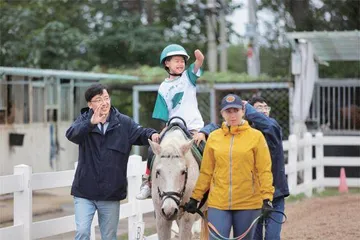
pixel 170 214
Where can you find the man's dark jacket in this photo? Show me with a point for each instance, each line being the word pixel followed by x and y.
pixel 273 135
pixel 103 158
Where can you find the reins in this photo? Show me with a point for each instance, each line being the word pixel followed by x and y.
pixel 215 233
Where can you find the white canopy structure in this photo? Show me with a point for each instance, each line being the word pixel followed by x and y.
pixel 310 49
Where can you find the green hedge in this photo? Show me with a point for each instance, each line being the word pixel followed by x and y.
pixel 149 75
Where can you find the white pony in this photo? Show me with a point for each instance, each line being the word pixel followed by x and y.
pixel 174 174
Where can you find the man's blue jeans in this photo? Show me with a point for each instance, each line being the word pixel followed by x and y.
pixel 272 229
pixel 108 215
pixel 240 220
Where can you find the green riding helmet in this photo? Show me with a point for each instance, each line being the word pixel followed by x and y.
pixel 173 50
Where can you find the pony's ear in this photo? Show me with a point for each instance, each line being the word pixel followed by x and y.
pixel 186 147
pixel 155 147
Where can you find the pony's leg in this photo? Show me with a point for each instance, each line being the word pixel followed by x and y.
pixel 185 226
pixel 163 228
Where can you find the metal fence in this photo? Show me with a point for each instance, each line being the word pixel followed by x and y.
pixel 335 107
pixel 209 96
pixel 277 95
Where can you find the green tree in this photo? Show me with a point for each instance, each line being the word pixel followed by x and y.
pixel 43 34
pixel 78 34
pixel 310 15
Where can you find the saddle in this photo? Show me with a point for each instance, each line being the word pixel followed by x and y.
pixel 197 151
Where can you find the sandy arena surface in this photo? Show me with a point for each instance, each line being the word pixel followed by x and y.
pixel 328 218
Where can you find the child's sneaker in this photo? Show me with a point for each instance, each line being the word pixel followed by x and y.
pixel 145 191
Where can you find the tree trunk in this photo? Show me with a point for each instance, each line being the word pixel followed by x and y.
pixel 149 11
pixel 300 12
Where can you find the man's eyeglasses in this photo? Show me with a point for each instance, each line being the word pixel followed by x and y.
pixel 100 100
pixel 265 108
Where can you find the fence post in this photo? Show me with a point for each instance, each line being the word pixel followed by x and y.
pixel 308 182
pixel 319 150
pixel 134 175
pixel 292 162
pixel 23 201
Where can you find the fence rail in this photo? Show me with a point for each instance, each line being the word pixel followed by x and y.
pixel 23 182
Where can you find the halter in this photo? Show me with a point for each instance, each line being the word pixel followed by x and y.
pixel 176 196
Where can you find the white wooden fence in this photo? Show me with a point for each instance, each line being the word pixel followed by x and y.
pixel 23 182
pixel 301 161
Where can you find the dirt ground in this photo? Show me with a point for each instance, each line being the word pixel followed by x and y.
pixel 327 218
pixel 330 218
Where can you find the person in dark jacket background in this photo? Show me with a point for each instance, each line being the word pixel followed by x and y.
pixel 105 137
pixel 257 112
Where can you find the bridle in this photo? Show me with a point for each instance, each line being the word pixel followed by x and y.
pixel 176 196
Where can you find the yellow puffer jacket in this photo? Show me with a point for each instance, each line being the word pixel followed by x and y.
pixel 236 167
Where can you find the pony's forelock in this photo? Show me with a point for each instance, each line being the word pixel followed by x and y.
pixel 172 142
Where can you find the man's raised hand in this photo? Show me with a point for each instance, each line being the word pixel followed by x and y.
pixel 97 117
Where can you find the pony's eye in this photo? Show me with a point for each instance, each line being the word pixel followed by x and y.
pixel 157 173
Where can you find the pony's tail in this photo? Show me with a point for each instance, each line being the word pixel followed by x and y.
pixel 204 234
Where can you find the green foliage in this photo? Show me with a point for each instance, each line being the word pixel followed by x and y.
pixel 237 60
pixel 308 15
pixel 122 100
pixel 348 69
pixel 124 44
pixel 79 34
pixel 149 74
pixel 43 34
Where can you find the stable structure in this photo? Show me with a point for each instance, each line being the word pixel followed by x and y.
pixel 332 104
pixel 36 108
pixel 43 95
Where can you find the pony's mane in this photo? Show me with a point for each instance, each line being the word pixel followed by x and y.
pixel 173 140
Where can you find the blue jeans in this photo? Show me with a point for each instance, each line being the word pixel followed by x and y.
pixel 240 220
pixel 272 228
pixel 108 215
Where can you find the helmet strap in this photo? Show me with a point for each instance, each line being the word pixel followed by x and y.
pixel 173 74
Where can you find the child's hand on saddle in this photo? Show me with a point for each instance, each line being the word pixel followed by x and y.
pixel 198 137
pixel 155 137
pixel 198 55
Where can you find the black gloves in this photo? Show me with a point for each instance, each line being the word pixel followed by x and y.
pixel 267 208
pixel 191 206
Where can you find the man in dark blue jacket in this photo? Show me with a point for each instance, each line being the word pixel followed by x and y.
pixel 257 112
pixel 105 137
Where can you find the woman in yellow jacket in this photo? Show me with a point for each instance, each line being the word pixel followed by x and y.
pixel 236 169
